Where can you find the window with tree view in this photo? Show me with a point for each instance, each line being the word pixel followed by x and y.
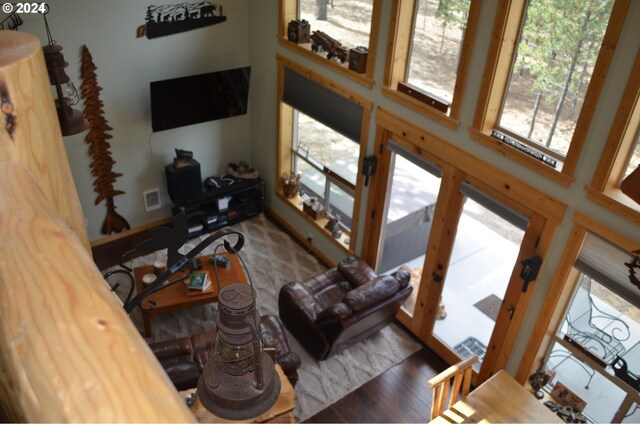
pixel 347 21
pixel 558 47
pixel 438 34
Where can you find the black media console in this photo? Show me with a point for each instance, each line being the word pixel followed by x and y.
pixel 232 201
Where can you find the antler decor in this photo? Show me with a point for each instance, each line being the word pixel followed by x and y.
pixel 102 163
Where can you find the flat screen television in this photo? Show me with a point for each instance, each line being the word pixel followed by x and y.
pixel 199 98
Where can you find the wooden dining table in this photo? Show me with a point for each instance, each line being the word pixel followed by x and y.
pixel 500 399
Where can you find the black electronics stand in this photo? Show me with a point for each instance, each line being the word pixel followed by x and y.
pixel 224 201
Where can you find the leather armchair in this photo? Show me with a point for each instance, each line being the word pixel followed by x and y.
pixel 341 306
pixel 184 358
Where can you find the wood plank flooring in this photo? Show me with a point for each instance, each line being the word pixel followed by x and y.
pixel 399 395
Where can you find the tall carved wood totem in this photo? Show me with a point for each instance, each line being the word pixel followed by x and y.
pixel 102 162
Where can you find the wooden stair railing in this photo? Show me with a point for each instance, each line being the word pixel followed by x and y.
pixel 68 352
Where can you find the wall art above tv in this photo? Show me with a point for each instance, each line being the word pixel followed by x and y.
pixel 193 99
pixel 176 18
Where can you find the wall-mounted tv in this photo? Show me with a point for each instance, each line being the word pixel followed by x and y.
pixel 199 98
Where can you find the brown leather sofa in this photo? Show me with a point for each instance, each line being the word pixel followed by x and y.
pixel 183 359
pixel 341 306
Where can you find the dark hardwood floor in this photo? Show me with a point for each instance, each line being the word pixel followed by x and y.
pixel 399 395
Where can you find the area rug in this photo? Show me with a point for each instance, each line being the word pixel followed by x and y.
pixel 490 306
pixel 274 259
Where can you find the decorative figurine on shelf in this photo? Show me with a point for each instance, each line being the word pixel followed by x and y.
pixel 298 31
pixel 321 41
pixel 242 170
pixel 183 158
pixel 538 380
pixel 358 59
pixel 290 185
pixel 313 208
pixel 333 226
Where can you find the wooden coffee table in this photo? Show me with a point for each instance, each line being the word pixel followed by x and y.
pixel 178 297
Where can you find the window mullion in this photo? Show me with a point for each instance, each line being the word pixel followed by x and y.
pixel 339 181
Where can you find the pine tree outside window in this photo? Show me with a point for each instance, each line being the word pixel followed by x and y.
pixel 555 59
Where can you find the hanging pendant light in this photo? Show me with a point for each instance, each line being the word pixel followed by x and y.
pixel 71 120
pixel 239 381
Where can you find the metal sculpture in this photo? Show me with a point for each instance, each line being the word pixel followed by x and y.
pixel 102 163
pixel 172 19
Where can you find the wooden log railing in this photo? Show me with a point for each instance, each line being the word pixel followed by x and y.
pixel 68 352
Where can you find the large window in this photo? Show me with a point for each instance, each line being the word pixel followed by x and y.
pixel 539 93
pixel 599 334
pixel 621 153
pixel 322 131
pixel 338 34
pixel 438 36
pixel 348 21
pixel 428 61
pixel 551 70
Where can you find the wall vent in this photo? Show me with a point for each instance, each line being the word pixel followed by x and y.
pixel 152 199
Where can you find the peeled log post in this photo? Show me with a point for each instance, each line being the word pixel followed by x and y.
pixel 68 352
pixel 36 140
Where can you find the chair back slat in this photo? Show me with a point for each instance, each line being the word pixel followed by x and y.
pixel 468 373
pixel 450 384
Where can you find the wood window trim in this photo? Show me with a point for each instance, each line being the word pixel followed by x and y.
pixel 616 201
pixel 561 288
pixel 285 143
pixel 398 51
pixel 420 107
pixel 289 12
pixel 605 186
pixel 502 50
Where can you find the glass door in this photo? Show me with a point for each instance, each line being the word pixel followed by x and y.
pixel 483 257
pixel 463 243
pixel 408 218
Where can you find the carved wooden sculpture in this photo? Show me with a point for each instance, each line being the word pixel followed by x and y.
pixel 102 163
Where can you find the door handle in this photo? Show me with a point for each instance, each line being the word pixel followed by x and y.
pixel 437 277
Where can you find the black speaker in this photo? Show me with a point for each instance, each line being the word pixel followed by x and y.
pixel 183 183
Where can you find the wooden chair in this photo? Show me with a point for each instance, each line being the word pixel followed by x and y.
pixel 449 384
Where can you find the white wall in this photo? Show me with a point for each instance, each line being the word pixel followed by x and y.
pixel 125 67
pixel 264 46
